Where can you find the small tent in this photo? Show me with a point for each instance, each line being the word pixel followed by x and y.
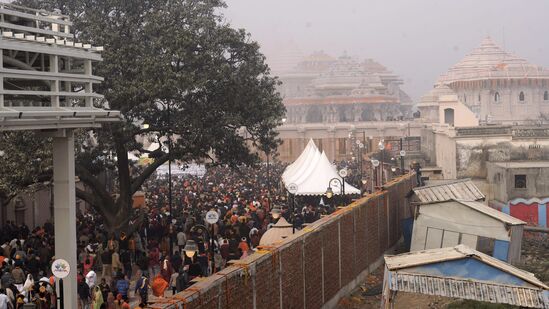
pixel 312 173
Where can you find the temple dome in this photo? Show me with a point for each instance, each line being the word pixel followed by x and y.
pixel 347 74
pixel 490 61
pixel 286 59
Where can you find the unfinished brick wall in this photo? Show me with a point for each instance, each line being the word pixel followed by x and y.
pixel 308 269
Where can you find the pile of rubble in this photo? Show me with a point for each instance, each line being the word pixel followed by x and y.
pixel 535 256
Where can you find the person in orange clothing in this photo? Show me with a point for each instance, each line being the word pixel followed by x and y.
pixel 243 246
pixel 159 285
pixel 120 303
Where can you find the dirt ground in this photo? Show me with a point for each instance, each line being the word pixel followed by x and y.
pixel 368 295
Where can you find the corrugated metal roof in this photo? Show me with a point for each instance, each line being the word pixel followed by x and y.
pixel 459 189
pixel 467 289
pixel 407 260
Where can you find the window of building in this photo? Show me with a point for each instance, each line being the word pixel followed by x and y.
pixel 496 97
pixel 546 96
pixel 521 96
pixel 485 245
pixel 449 116
pixel 520 181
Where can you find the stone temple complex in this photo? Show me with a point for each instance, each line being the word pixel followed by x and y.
pixel 329 99
pixel 324 89
pixel 490 85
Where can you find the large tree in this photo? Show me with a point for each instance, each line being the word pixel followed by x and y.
pixel 25 163
pixel 178 67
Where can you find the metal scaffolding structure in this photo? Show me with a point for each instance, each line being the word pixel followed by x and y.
pixel 47 86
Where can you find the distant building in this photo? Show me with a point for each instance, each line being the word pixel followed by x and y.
pixel 323 89
pixel 494 85
pixel 521 189
pixel 328 98
pixel 509 164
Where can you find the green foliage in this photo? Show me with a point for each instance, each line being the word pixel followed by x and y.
pixel 177 66
pixel 26 160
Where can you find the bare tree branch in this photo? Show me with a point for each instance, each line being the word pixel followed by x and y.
pixel 139 180
pixel 92 182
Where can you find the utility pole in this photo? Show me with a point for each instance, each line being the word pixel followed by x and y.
pixel 170 178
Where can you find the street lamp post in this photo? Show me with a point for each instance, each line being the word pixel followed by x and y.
pixel 190 248
pixel 393 170
pixel 292 189
pixel 170 177
pixel 212 217
pixel 360 165
pixel 375 164
pixel 381 150
pixel 329 192
pixel 268 179
pixel 210 235
pixel 402 155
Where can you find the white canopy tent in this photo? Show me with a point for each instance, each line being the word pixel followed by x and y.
pixel 312 172
pixel 309 150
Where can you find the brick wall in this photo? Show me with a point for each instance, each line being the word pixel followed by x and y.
pixel 308 269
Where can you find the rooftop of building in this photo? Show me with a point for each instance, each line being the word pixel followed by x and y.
pixel 522 164
pixel 320 75
pixel 41 31
pixel 445 190
pixel 490 61
pixel 474 205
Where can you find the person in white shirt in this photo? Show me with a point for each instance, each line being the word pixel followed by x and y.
pixel 4 301
pixel 181 240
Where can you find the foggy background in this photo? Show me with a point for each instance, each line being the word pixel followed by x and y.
pixel 418 40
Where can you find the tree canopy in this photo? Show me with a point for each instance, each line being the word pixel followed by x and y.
pixel 178 67
pixel 26 161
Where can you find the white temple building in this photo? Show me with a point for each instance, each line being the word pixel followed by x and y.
pixel 491 85
pixel 321 89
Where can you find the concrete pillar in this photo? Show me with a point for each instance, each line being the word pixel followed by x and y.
pixel 65 212
pixel 88 87
pixel 54 68
pixel 2 76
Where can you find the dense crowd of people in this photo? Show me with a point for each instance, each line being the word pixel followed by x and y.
pixel 152 259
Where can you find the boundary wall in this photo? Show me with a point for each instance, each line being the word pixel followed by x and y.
pixel 314 267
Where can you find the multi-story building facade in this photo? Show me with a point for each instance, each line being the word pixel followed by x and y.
pixel 323 89
pixel 495 85
pixel 328 98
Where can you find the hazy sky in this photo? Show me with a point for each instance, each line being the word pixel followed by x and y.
pixel 418 40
